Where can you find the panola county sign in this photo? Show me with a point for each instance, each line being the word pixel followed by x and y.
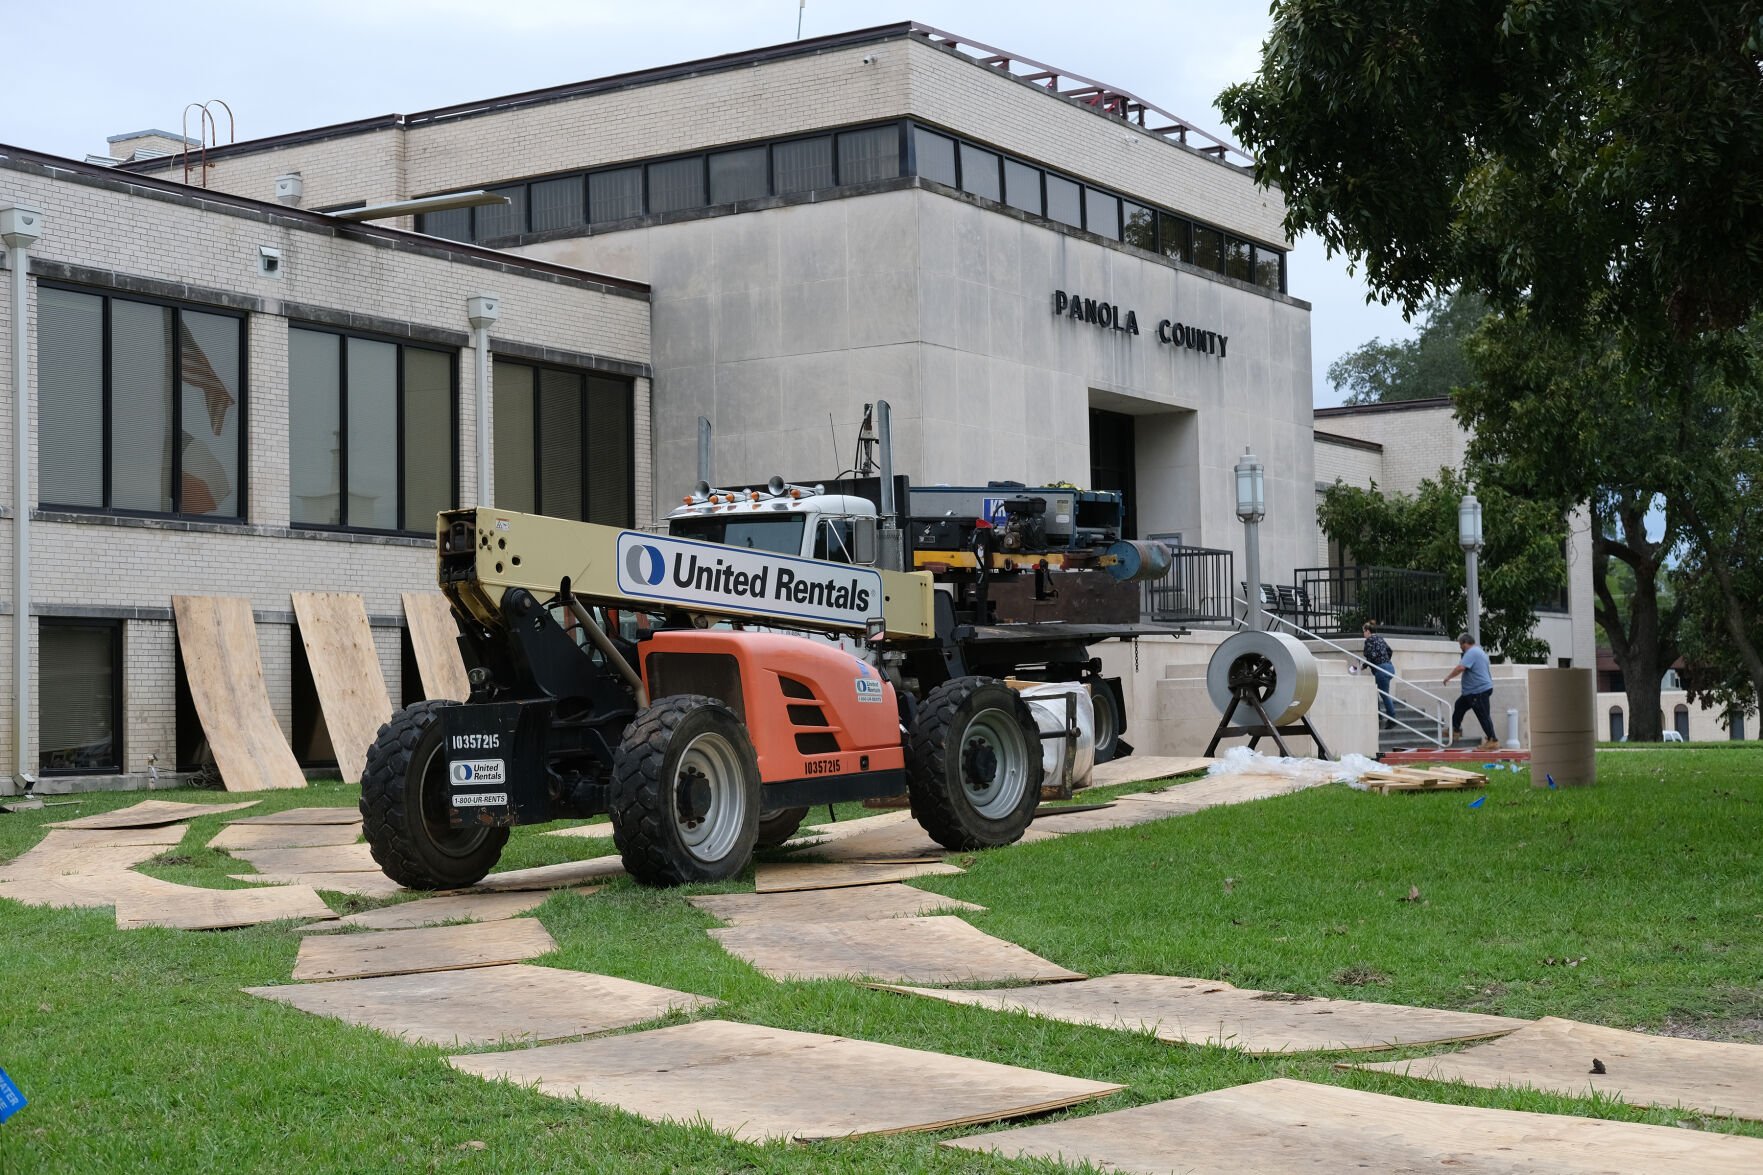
pixel 717 578
pixel 1111 317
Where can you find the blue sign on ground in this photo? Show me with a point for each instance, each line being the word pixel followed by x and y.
pixel 11 1101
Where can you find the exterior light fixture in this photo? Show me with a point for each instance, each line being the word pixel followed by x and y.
pixel 1469 538
pixel 1251 491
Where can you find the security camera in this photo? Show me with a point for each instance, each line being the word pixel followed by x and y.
pixel 269 260
pixel 871 59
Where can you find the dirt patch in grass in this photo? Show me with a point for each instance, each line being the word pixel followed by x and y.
pixel 1361 977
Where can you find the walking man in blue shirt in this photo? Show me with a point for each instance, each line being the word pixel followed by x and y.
pixel 1478 690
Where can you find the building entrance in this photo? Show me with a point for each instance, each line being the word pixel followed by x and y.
pixel 1112 467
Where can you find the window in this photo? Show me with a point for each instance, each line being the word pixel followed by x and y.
pixel 1236 260
pixel 1269 265
pixel 979 173
pixel 869 155
pixel 1022 186
pixel 676 184
pixel 79 684
pixel 1172 236
pixel 502 220
pixel 140 405
pixel 373 430
pixel 738 175
pixel 1102 212
pixel 1138 226
pixel 454 224
pixel 557 204
pixel 615 195
pixel 802 165
pixel 936 156
pixel 564 443
pixel 1209 248
pixel 1064 201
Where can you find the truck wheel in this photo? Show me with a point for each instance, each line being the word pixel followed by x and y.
pixel 776 825
pixel 685 793
pixel 404 801
pixel 1107 710
pixel 974 766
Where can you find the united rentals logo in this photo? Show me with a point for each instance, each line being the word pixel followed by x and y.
pixel 717 578
pixel 644 563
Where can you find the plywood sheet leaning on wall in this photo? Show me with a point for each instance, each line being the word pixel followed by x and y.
pixel 218 643
pixel 434 637
pixel 345 673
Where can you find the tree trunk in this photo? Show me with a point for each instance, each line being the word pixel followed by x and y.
pixel 1638 641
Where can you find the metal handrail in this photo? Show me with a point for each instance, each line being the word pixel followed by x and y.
pixel 1438 717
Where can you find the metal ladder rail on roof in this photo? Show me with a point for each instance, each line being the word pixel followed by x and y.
pixel 1437 719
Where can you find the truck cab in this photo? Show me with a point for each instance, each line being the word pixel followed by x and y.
pixel 785 519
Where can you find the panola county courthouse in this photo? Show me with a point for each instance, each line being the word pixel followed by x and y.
pixel 229 370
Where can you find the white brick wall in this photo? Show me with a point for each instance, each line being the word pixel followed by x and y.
pixel 143 235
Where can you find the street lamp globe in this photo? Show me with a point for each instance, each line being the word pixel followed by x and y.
pixel 1469 523
pixel 1251 493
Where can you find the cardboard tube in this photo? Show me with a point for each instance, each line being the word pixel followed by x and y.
pixel 1563 727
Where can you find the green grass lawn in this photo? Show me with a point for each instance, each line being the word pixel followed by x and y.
pixel 1636 903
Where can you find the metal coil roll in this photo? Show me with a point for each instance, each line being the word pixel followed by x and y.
pixel 1278 668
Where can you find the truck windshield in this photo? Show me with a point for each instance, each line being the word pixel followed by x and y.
pixel 781 533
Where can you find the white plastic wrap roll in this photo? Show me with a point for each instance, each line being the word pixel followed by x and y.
pixel 1286 670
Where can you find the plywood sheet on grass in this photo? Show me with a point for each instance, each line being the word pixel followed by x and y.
pixel 1139 768
pixel 1287 1127
pixel 192 908
pixel 346 858
pixel 560 876
pixel 149 813
pixel 749 1081
pixel 1556 1055
pixel 434 637
pixel 362 884
pixel 218 643
pixel 349 815
pixel 432 948
pixel 460 907
pixel 791 875
pixel 345 674
pixel 857 904
pixel 584 832
pixel 936 949
pixel 1217 790
pixel 284 836
pixel 163 835
pixel 54 857
pixel 487 1005
pixel 840 829
pixel 85 890
pixel 1197 1011
pixel 1125 812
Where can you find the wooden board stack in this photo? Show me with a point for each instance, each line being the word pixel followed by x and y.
pixel 1428 777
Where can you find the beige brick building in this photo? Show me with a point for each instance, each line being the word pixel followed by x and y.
pixel 172 451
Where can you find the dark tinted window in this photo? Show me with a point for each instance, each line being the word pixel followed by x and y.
pixel 503 220
pixel 1102 213
pixel 1139 226
pixel 1267 267
pixel 1237 260
pixel 1022 186
pixel 79 675
pixel 1064 201
pixel 615 195
pixel 802 165
pixel 453 223
pixel 936 156
pixel 738 175
pixel 869 155
pixel 1208 248
pixel 1172 236
pixel 557 203
pixel 979 173
pixel 676 184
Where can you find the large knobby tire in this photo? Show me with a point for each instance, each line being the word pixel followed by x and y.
pixel 685 793
pixel 1107 711
pixel 404 802
pixel 974 764
pixel 777 825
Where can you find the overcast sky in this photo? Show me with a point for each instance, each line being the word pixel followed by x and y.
pixel 94 68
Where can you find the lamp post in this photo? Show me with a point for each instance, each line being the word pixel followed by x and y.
pixel 1469 538
pixel 1251 508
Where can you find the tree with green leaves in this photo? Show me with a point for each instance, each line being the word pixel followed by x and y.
pixel 1522 542
pixel 1430 364
pixel 1539 153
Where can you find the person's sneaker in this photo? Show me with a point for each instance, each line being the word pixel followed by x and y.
pixel 1456 737
pixel 1488 744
